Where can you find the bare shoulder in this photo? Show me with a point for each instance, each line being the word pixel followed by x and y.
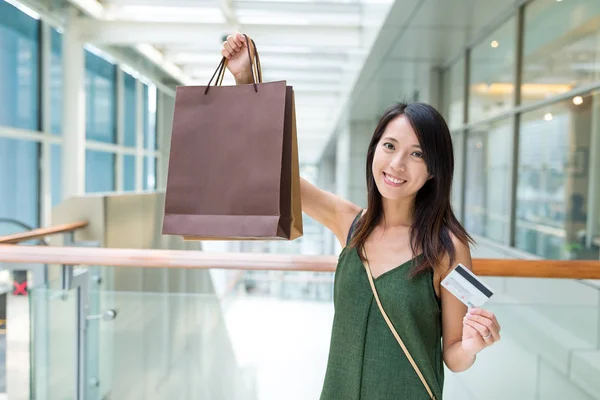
pixel 462 255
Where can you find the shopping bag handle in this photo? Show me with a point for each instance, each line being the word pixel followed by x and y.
pixel 255 63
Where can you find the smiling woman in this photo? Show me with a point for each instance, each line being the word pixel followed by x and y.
pixel 396 252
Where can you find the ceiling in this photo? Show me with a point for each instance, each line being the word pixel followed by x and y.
pixel 317 46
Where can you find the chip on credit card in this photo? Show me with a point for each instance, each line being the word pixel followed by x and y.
pixel 467 287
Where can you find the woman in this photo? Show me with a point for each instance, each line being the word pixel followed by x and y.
pixel 410 239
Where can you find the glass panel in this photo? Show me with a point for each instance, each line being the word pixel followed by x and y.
pixel 56 88
pixel 19 188
pixel 454 81
pixel 130 110
pixel 54 339
pixel 561 47
pixel 554 179
pixel 99 171
pixel 171 346
pixel 128 173
pixel 100 78
pixel 491 85
pixel 237 345
pixel 487 189
pixel 56 174
pixel 149 177
pixel 19 84
pixel 150 118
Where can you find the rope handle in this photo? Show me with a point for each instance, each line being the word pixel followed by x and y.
pixel 254 62
pixel 395 333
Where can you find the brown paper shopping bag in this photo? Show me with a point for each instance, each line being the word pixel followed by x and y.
pixel 233 166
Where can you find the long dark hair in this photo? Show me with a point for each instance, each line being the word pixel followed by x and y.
pixel 433 219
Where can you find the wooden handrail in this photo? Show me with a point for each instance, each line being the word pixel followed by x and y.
pixel 42 232
pixel 260 261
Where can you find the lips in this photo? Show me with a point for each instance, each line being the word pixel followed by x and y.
pixel 393 180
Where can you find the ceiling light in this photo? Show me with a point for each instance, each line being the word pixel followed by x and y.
pixel 577 100
pixel 495 44
pixel 548 117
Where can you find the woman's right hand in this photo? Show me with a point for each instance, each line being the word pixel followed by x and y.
pixel 235 51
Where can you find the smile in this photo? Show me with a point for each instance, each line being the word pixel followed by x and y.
pixel 390 180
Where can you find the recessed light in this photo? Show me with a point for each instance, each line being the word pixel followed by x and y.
pixel 495 44
pixel 577 100
pixel 548 117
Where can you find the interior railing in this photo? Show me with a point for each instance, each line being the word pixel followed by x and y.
pixel 518 268
pixel 555 342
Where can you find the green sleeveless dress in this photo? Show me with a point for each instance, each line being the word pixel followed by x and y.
pixel 365 360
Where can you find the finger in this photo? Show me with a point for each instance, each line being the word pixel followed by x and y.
pixel 228 47
pixel 241 38
pixel 225 51
pixel 485 313
pixel 490 323
pixel 482 330
pixel 225 54
pixel 234 46
pixel 238 38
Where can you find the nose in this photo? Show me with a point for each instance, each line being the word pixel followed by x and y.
pixel 398 162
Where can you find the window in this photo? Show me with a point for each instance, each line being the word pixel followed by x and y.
pixel 491 85
pixel 149 177
pixel 554 177
pixel 487 188
pixel 561 47
pixel 100 78
pixel 19 187
pixel 56 83
pixel 19 59
pixel 56 174
pixel 150 118
pixel 130 110
pixel 129 173
pixel 454 82
pixel 99 171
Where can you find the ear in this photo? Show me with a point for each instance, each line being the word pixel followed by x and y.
pixel 430 177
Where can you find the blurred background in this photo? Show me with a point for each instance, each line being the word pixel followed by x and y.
pixel 86 104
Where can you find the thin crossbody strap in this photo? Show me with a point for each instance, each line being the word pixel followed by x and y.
pixel 400 342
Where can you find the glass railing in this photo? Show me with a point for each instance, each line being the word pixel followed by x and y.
pixel 272 344
pixel 139 346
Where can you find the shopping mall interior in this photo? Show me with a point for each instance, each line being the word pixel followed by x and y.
pixel 96 303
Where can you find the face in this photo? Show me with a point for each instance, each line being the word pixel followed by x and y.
pixel 399 168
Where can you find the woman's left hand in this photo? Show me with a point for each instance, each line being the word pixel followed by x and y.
pixel 480 330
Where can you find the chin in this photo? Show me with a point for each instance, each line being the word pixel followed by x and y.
pixel 390 193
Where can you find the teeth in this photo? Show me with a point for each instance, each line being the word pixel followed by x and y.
pixel 394 180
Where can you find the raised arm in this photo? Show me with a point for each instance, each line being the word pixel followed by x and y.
pixel 332 211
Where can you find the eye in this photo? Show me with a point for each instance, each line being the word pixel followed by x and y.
pixel 417 154
pixel 388 146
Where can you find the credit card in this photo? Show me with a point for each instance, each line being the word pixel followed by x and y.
pixel 467 287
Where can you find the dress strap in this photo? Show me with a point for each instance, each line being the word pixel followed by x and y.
pixel 352 227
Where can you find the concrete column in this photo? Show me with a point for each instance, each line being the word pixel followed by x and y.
pixel 326 181
pixel 139 136
pixel 73 151
pixel 360 133
pixel 164 124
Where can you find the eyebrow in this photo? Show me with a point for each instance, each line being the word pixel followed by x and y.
pixel 391 139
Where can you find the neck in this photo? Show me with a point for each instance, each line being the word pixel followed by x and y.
pixel 398 213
